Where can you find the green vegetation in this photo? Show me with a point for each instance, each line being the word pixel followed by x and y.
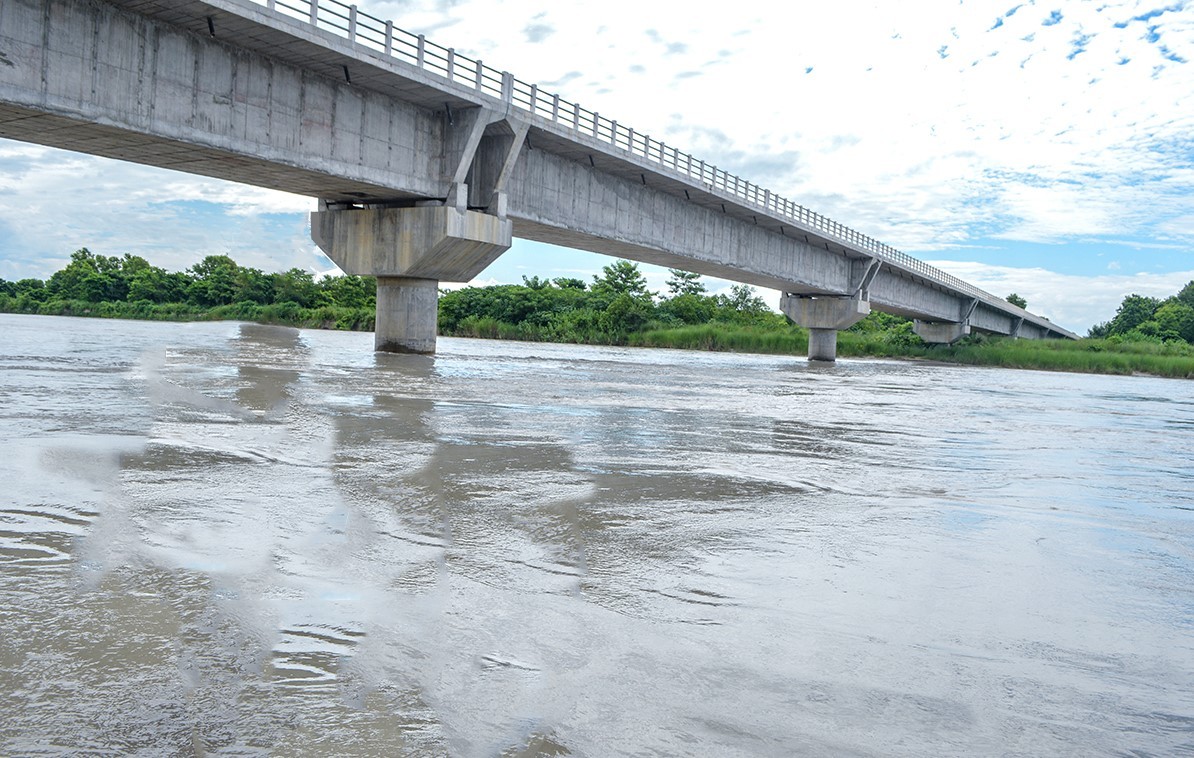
pixel 214 289
pixel 615 309
pixel 1147 319
pixel 1146 335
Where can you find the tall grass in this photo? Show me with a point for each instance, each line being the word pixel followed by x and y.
pixel 1175 360
pixel 1094 356
pixel 741 339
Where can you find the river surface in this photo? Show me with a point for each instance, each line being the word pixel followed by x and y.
pixel 229 539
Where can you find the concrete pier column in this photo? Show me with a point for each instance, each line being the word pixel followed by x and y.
pixel 824 317
pixel 410 251
pixel 406 315
pixel 822 344
pixel 940 332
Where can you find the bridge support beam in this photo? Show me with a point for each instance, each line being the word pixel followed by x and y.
pixel 824 317
pixel 410 251
pixel 940 332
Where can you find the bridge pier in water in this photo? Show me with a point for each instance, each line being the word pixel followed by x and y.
pixel 824 317
pixel 410 251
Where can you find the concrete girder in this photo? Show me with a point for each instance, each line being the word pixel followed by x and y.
pixel 947 332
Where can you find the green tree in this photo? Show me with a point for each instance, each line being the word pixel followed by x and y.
pixel 158 286
pixel 535 283
pixel 350 291
pixel 33 290
pixel 626 313
pixel 568 283
pixel 621 278
pixel 297 286
pixel 89 277
pixel 1175 320
pixel 1133 311
pixel 684 283
pixel 743 298
pixel 254 286
pixel 1016 300
pixel 1187 294
pixel 879 321
pixel 213 281
pixel 689 308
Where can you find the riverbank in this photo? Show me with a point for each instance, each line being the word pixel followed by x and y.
pixel 1091 356
pixel 278 314
pixel 1146 336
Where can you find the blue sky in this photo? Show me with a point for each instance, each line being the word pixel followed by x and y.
pixel 1041 148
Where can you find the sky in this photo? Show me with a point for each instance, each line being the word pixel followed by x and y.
pixel 1042 148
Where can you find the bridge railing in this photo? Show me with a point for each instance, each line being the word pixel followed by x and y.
pixel 382 36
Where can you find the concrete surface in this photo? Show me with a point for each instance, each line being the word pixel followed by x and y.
pixel 410 250
pixel 824 317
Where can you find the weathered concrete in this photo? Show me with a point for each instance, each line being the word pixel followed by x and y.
pixel 436 242
pixel 940 332
pixel 410 250
pixel 85 76
pixel 824 317
pixel 406 315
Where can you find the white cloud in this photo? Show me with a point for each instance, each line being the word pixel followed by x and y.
pixel 53 202
pixel 1075 302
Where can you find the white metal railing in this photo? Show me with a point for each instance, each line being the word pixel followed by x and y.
pixel 383 37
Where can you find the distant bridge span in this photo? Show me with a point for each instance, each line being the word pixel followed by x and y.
pixel 427 163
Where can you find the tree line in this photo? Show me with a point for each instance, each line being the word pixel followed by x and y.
pixel 1149 319
pixel 607 310
pixel 615 307
pixel 216 280
pixel 216 288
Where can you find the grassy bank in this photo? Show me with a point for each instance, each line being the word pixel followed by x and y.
pixel 282 314
pixel 1094 356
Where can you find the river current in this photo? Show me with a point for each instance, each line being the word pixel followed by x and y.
pixel 231 539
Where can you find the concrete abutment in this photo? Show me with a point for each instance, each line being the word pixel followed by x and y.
pixel 410 251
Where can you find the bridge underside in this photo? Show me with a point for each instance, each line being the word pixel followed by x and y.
pixel 28 125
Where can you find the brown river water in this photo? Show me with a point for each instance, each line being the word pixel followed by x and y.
pixel 229 539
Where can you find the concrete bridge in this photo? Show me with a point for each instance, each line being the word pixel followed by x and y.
pixel 427 163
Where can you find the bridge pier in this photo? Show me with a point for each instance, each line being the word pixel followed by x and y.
pixel 406 315
pixel 824 317
pixel 940 332
pixel 410 251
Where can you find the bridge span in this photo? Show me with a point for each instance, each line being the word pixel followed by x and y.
pixel 426 163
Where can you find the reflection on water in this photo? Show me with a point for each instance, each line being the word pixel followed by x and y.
pixel 238 539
